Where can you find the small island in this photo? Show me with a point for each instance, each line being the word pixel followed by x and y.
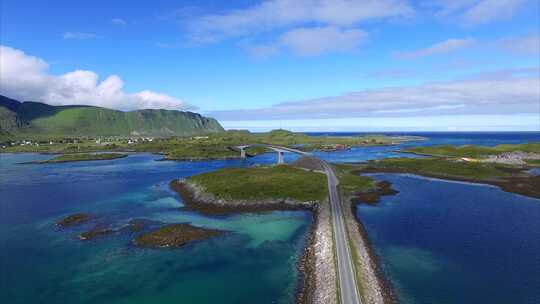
pixel 94 233
pixel 175 235
pixel 260 188
pixel 73 219
pixel 65 158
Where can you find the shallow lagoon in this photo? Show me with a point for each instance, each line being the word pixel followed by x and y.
pixel 40 263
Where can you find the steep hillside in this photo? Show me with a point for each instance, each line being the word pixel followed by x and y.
pixel 39 119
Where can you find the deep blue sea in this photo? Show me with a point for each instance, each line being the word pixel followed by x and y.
pixel 257 261
pixel 450 242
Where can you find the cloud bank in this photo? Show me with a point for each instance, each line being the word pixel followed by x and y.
pixel 312 42
pixel 477 12
pixel 526 45
pixel 442 47
pixel 304 27
pixel 25 77
pixel 511 92
pixel 274 14
pixel 315 27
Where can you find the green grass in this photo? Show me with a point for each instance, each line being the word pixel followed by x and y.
pixel 34 119
pixel 533 162
pixel 474 151
pixel 350 182
pixel 260 183
pixel 84 157
pixel 217 145
pixel 212 146
pixel 82 146
pixel 441 167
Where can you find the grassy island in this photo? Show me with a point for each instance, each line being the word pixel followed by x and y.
pixel 509 178
pixel 360 188
pixel 351 183
pixel 175 235
pixel 65 158
pixel 254 189
pixel 261 183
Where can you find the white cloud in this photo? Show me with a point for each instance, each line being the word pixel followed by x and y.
pixel 316 41
pixel 25 77
pixel 528 45
pixel 274 14
pixel 443 47
pixel 489 10
pixel 119 21
pixel 80 36
pixel 515 122
pixel 507 94
pixel 312 41
pixel 475 12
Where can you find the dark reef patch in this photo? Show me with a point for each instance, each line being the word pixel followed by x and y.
pixel 73 219
pixel 175 235
pixel 94 233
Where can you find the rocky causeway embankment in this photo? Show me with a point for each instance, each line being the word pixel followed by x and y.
pixel 317 266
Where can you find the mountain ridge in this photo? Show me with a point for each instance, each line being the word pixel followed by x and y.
pixel 31 118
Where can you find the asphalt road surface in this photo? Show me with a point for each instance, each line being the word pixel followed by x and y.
pixel 346 275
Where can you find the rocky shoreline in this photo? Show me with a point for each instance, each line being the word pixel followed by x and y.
pixel 518 183
pixel 374 287
pixel 319 284
pixel 175 235
pixel 196 199
pixel 318 274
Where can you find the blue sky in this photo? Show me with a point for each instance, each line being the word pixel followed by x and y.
pixel 299 64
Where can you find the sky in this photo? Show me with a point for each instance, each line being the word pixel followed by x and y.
pixel 304 65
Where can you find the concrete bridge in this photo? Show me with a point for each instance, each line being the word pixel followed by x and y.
pixel 278 149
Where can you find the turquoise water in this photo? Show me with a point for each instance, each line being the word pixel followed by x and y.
pixel 450 242
pixel 256 262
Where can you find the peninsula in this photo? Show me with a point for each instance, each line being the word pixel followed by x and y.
pixel 505 166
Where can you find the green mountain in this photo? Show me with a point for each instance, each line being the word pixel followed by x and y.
pixel 42 120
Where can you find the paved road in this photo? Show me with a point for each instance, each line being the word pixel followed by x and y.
pixel 345 269
pixel 347 278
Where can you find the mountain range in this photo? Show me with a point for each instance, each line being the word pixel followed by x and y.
pixel 38 119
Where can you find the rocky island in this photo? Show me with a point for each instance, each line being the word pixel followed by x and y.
pixel 260 188
pixel 175 235
pixel 73 219
pixel 94 233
